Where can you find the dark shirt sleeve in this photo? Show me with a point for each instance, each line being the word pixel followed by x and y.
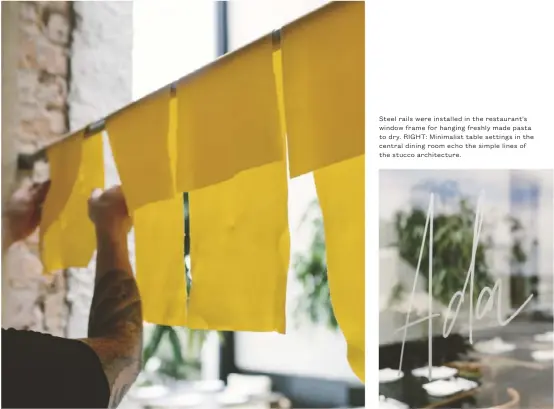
pixel 42 371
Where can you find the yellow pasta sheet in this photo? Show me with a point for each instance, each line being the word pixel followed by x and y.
pixel 278 72
pixel 340 189
pixel 240 248
pixel 159 244
pixel 67 237
pixel 323 75
pixel 160 253
pixel 240 245
pixel 228 118
pixel 140 146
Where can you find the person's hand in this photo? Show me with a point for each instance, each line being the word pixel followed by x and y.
pixel 108 211
pixel 21 214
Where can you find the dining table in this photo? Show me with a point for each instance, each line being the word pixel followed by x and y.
pixel 495 374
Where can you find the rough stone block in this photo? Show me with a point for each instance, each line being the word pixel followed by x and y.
pixel 29 112
pixel 62 7
pixel 34 130
pixel 25 279
pixel 56 120
pixel 41 126
pixel 54 304
pixel 51 91
pixel 51 58
pixel 28 28
pixel 28 11
pixel 28 52
pixel 27 86
pixel 57 28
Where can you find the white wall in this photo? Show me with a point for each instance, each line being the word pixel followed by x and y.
pixel 101 80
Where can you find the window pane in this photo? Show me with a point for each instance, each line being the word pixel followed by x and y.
pixel 171 39
pixel 303 351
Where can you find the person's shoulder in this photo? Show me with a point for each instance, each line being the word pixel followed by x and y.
pixel 23 337
pixel 31 343
pixel 47 363
pixel 27 345
pixel 19 334
pixel 22 332
pixel 13 331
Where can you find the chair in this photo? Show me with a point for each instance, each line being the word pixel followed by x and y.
pixel 512 403
pixel 472 369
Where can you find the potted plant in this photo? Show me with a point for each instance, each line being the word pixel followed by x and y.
pixel 177 351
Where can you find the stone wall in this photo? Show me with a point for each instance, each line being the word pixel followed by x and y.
pixel 42 45
pixel 65 64
pixel 10 41
pixel 43 72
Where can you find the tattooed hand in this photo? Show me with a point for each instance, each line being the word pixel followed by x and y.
pixel 115 322
pixel 108 211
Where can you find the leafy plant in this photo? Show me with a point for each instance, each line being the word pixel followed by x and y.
pixel 518 254
pixel 311 271
pixel 396 293
pixel 173 363
pixel 521 284
pixel 177 365
pixel 452 247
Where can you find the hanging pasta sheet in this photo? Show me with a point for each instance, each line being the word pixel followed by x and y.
pixel 140 146
pixel 228 118
pixel 160 267
pixel 240 242
pixel 340 189
pixel 145 151
pixel 324 84
pixel 76 169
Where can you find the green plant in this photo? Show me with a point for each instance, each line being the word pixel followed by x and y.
pixel 521 284
pixel 311 271
pixel 518 254
pixel 168 343
pixel 179 359
pixel 452 246
pixel 396 294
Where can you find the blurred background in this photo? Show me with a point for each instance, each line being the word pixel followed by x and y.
pixel 516 250
pixel 66 64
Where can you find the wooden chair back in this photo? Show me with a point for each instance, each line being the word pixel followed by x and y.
pixel 513 402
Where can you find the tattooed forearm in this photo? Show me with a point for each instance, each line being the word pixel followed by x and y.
pixel 115 330
pixel 116 306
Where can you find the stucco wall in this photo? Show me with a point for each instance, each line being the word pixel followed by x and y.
pixel 101 82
